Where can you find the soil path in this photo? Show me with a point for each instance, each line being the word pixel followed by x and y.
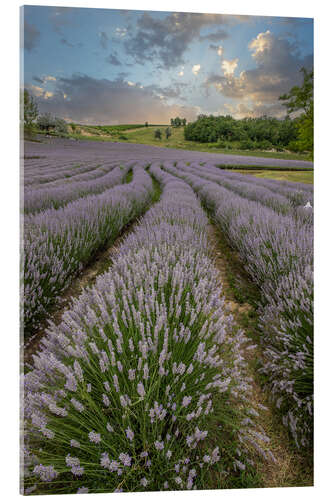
pixel 292 468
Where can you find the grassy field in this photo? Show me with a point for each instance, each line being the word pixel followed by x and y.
pixel 145 135
pixel 301 176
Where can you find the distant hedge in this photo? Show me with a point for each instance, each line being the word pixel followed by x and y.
pixel 264 167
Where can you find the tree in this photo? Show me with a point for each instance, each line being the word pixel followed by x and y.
pixel 184 121
pixel 30 109
pixel 46 122
pixel 177 122
pixel 168 132
pixel 146 124
pixel 301 99
pixel 158 134
pixel 172 122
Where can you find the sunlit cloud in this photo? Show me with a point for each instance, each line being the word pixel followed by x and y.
pixel 196 68
pixel 229 67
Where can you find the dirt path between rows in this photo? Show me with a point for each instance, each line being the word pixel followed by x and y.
pixel 292 468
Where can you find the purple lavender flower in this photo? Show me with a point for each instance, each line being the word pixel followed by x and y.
pixel 125 459
pixel 129 434
pixel 46 473
pixel 141 389
pixel 94 437
pixel 159 445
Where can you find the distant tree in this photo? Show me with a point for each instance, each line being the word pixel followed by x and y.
pixel 146 124
pixel 49 122
pixel 60 126
pixel 158 134
pixel 172 122
pixel 46 122
pixel 168 132
pixel 30 109
pixel 301 99
pixel 184 122
pixel 177 121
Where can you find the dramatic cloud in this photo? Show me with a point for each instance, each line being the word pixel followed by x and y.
pixel 31 36
pixel 196 69
pixel 278 65
pixel 229 67
pixel 165 40
pixel 39 92
pixel 89 100
pixel 103 40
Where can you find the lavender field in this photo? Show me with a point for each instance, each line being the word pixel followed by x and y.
pixel 149 378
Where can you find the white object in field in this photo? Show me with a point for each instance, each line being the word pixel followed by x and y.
pixel 308 205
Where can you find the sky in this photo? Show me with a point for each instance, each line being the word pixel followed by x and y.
pixel 105 66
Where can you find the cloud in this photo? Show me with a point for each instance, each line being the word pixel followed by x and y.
pixel 122 75
pixel 253 110
pixel 113 59
pixel 218 48
pixel 165 40
pixel 278 63
pixel 121 32
pixel 39 92
pixel 31 36
pixel 103 101
pixel 228 67
pixel 43 79
pixel 103 40
pixel 195 69
pixel 37 79
pixel 215 37
pixel 170 91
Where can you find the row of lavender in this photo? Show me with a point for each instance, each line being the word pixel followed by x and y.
pixel 279 196
pixel 130 391
pixel 59 242
pixel 278 252
pixel 43 174
pixel 42 198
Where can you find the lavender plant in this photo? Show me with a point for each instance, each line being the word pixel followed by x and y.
pixel 59 242
pixel 36 200
pixel 129 392
pixel 286 202
pixel 278 253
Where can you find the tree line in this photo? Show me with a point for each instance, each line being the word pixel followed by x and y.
pixel 295 134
